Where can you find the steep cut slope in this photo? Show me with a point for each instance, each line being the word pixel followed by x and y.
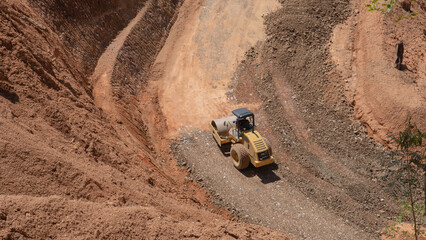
pixel 86 28
pixel 383 97
pixel 66 170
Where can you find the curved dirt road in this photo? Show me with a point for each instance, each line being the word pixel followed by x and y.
pixel 193 72
pixel 311 193
pixel 102 91
pixel 260 196
pixel 200 56
pixel 321 186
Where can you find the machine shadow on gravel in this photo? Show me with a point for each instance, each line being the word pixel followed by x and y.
pixel 265 173
pixel 225 149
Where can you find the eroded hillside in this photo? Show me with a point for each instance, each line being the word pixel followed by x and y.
pixel 64 163
pixel 104 109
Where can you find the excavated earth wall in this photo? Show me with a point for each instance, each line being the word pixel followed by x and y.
pixel 132 70
pixel 52 103
pixel 65 170
pixel 142 46
pixel 86 28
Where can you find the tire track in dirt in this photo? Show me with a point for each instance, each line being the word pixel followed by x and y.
pixel 260 196
pixel 199 58
pixel 322 186
pixel 257 195
pixel 321 154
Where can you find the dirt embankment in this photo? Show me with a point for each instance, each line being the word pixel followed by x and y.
pixel 83 158
pixel 86 28
pixel 383 97
pixel 326 178
pixel 65 169
pixel 133 70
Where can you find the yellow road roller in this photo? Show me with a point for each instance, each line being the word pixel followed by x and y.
pixel 247 145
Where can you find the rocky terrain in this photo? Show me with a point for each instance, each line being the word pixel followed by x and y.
pixel 66 169
pixel 105 106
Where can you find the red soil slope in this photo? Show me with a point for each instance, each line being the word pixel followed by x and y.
pixel 91 93
pixel 383 97
pixel 66 171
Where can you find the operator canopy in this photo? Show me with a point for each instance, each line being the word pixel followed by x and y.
pixel 242 113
